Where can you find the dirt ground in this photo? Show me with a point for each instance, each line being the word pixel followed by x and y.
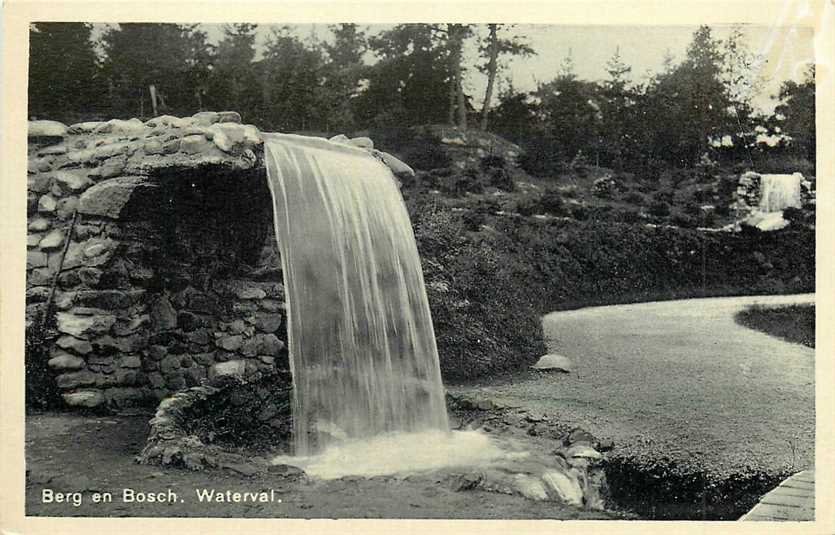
pixel 90 454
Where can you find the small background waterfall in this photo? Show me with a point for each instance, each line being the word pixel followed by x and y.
pixel 778 192
pixel 362 346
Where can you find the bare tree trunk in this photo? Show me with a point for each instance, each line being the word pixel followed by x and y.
pixel 462 102
pixel 453 91
pixel 492 67
pixel 457 102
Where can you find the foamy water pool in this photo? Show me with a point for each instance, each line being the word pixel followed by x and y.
pixel 404 454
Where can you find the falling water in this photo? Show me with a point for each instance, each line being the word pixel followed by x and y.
pixel 778 192
pixel 363 353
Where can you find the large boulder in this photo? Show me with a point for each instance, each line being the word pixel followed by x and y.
pixel 47 129
pixel 72 181
pixel 108 198
pixel 84 326
pixel 553 361
pixel 84 398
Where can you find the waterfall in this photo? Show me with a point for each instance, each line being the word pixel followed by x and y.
pixel 362 347
pixel 778 192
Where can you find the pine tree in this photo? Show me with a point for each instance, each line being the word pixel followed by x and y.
pixel 617 101
pixel 234 83
pixel 492 48
pixel 291 78
pixel 64 78
pixel 796 114
pixel 410 79
pixel 139 55
pixel 342 74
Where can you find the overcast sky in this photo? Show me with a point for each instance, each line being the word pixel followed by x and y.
pixel 788 50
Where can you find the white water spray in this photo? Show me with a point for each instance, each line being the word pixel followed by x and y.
pixel 778 192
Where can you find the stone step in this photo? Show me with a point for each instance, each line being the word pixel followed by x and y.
pixel 792 500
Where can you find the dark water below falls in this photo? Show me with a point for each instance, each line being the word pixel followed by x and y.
pixel 362 347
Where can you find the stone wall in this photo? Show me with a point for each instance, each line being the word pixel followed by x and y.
pixel 171 274
pixel 161 236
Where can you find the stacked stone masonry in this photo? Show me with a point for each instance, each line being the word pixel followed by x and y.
pixel 172 274
pixel 152 296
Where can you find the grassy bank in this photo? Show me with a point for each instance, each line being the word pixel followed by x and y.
pixel 795 323
pixel 490 282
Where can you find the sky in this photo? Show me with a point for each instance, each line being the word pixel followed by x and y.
pixel 787 50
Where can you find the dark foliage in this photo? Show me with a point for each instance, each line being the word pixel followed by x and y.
pixel 485 319
pixel 795 323
pixel 659 208
pixel 489 286
pixel 41 391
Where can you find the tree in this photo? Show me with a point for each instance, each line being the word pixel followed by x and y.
pixel 64 78
pixel 200 62
pixel 566 70
pixel 410 79
pixel 617 102
pixel 743 80
pixel 456 35
pixel 796 113
pixel 571 111
pixel 515 117
pixel 234 82
pixel 291 77
pixel 138 55
pixel 687 104
pixel 349 46
pixel 491 49
pixel 342 74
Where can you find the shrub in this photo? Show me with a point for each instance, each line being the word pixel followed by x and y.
pixel 488 205
pixel 678 176
pixel 692 209
pixel 552 202
pixel 727 186
pixel 580 212
pixel 501 178
pixel 442 172
pixel 528 206
pixel 41 390
pixel 702 196
pixel 604 187
pixel 569 192
pixel 425 152
pixel 794 215
pixel 633 197
pixel 469 180
pixel 473 219
pixel 392 138
pixel 625 215
pixel 659 209
pixel 542 157
pixel 493 162
pixel 484 305
pixel 665 196
pixel 683 220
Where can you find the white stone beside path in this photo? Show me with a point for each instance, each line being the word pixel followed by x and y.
pixel 792 500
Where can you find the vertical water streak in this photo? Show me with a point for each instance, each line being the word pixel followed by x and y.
pixel 362 346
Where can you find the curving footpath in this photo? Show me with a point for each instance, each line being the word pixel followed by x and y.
pixel 679 380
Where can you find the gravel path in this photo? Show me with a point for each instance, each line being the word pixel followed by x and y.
pixel 678 379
